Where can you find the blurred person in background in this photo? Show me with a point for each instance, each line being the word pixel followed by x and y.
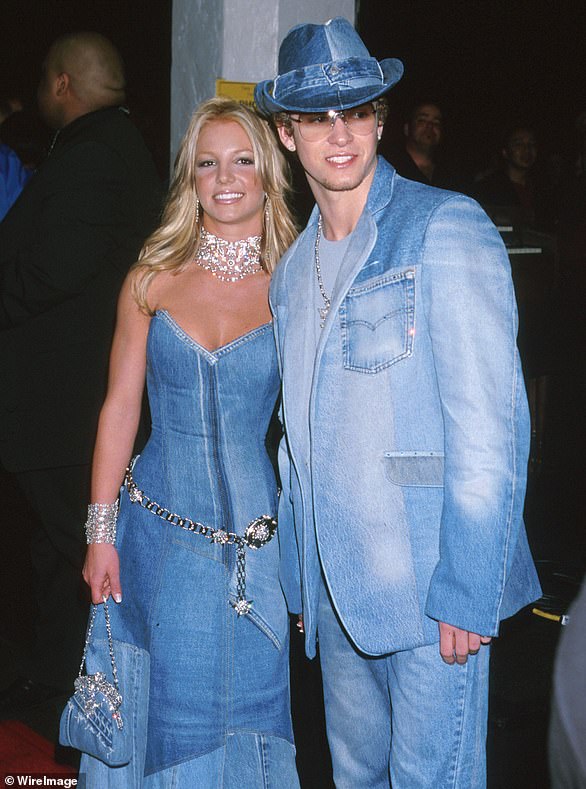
pixel 13 175
pixel 65 247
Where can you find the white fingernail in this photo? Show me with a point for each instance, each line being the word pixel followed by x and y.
pixel 118 598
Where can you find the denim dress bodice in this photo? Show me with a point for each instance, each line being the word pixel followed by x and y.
pixel 211 672
pixel 210 411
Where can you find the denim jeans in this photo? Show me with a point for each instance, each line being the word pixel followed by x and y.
pixel 406 718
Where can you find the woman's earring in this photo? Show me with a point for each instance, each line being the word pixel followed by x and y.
pixel 267 213
pixel 197 210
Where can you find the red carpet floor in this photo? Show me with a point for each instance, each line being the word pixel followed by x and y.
pixel 24 751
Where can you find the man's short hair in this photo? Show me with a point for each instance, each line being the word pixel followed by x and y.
pixel 94 65
pixel 421 101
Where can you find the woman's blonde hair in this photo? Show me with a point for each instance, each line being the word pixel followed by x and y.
pixel 174 244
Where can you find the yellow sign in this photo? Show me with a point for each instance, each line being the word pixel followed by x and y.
pixel 239 91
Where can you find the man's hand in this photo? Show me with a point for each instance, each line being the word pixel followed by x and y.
pixel 456 644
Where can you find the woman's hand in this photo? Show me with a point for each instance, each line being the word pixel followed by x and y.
pixel 101 572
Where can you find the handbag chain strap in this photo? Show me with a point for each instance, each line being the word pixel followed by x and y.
pixel 110 642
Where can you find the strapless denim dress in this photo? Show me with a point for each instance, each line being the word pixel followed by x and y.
pixel 212 672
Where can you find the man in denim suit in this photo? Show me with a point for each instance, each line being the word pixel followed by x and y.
pixel 406 432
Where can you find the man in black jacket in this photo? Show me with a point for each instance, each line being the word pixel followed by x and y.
pixel 65 247
pixel 421 159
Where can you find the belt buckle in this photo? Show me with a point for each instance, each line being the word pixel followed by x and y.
pixel 260 531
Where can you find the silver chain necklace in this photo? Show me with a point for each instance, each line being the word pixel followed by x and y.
pixel 323 311
pixel 229 261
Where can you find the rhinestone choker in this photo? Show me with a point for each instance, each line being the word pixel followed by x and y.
pixel 229 261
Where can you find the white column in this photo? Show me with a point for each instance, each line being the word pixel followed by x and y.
pixel 236 40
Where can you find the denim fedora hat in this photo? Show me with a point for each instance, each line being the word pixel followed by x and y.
pixel 325 67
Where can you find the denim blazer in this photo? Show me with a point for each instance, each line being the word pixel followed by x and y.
pixel 406 477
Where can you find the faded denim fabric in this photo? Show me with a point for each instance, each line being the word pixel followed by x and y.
pixel 407 481
pixel 323 67
pixel 212 673
pixel 407 717
pixel 247 761
pixel 377 322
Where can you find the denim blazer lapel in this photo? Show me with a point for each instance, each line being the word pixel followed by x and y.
pixel 292 303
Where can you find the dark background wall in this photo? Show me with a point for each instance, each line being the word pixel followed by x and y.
pixel 488 62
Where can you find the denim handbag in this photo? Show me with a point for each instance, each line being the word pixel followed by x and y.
pixel 100 718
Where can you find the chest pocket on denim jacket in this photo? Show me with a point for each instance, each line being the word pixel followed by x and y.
pixel 377 320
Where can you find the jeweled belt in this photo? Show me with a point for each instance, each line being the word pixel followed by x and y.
pixel 258 533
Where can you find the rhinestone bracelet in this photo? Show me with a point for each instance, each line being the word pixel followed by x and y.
pixel 100 526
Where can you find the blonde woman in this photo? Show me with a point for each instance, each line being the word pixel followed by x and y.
pixel 195 575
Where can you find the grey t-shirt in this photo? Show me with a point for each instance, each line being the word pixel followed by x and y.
pixel 331 254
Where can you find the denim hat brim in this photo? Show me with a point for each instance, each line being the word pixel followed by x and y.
pixel 337 85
